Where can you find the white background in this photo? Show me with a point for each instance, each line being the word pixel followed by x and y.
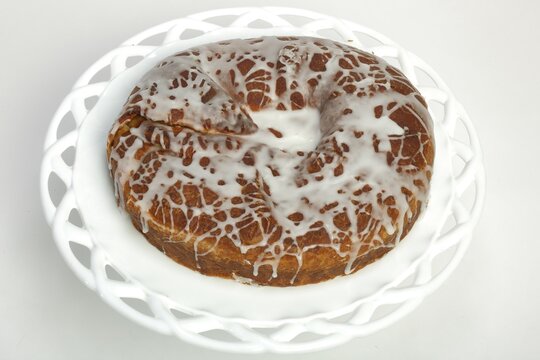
pixel 487 51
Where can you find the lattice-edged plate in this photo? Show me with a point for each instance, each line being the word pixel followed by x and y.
pixel 75 187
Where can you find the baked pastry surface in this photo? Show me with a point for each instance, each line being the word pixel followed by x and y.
pixel 276 161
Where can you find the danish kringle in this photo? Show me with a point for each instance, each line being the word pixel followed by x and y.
pixel 275 161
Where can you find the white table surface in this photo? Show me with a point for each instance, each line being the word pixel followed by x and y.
pixel 487 51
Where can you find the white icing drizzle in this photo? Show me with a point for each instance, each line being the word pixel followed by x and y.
pixel 324 155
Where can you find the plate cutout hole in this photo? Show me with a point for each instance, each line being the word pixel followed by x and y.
pixel 57 188
pixel 104 74
pixel 68 156
pixel 221 335
pixel 222 20
pixel 460 132
pixel 366 40
pixel 133 60
pixel 180 314
pixel 260 24
pixel 296 20
pixel 113 274
pixel 423 78
pixel 67 124
pixel 190 34
pixel 332 35
pixel 74 218
pixel 90 102
pixel 436 110
pixel 138 305
pixel 154 40
pixel 81 253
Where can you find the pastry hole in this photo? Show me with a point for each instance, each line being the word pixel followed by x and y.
pixel 436 110
pixel 133 60
pixel 138 305
pixel 67 124
pixel 113 274
pixel 57 189
pixel 221 335
pixel 68 156
pixel 190 34
pixel 260 24
pixel 222 20
pixel 102 75
pixel 154 40
pixel 90 102
pixel 367 41
pixel 332 35
pixel 423 79
pixel 296 20
pixel 81 253
pixel 74 218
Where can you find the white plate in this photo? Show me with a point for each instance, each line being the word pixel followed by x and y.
pixel 207 303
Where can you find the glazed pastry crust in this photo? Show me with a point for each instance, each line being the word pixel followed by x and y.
pixel 189 174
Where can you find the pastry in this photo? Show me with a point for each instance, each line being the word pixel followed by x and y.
pixel 274 161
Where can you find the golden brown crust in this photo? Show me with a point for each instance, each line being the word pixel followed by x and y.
pixel 319 264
